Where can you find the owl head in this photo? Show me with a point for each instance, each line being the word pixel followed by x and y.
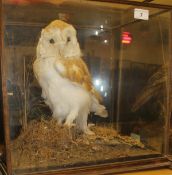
pixel 59 40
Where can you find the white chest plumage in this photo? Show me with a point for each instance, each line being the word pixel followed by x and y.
pixel 67 100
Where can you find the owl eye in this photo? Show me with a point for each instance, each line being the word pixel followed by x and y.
pixel 68 39
pixel 51 41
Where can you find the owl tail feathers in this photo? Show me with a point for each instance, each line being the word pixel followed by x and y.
pixel 98 109
pixel 101 111
pixel 97 95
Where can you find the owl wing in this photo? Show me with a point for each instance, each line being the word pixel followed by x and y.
pixel 76 70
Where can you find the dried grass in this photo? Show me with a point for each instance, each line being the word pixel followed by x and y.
pixel 45 143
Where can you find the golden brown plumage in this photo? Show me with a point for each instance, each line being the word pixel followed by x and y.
pixel 56 24
pixel 76 70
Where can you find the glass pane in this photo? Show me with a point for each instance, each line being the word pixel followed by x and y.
pixel 110 63
pixel 142 100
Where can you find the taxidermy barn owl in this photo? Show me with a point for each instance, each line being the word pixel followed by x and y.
pixel 64 77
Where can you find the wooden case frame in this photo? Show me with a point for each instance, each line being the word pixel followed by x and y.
pixel 108 168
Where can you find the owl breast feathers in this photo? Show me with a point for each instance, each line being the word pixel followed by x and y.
pixel 58 68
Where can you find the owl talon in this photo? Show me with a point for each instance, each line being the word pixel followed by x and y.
pixel 69 125
pixel 60 123
pixel 91 125
pixel 89 132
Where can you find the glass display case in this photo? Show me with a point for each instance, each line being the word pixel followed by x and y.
pixel 86 87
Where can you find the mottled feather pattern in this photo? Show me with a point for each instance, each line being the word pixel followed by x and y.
pixel 77 71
